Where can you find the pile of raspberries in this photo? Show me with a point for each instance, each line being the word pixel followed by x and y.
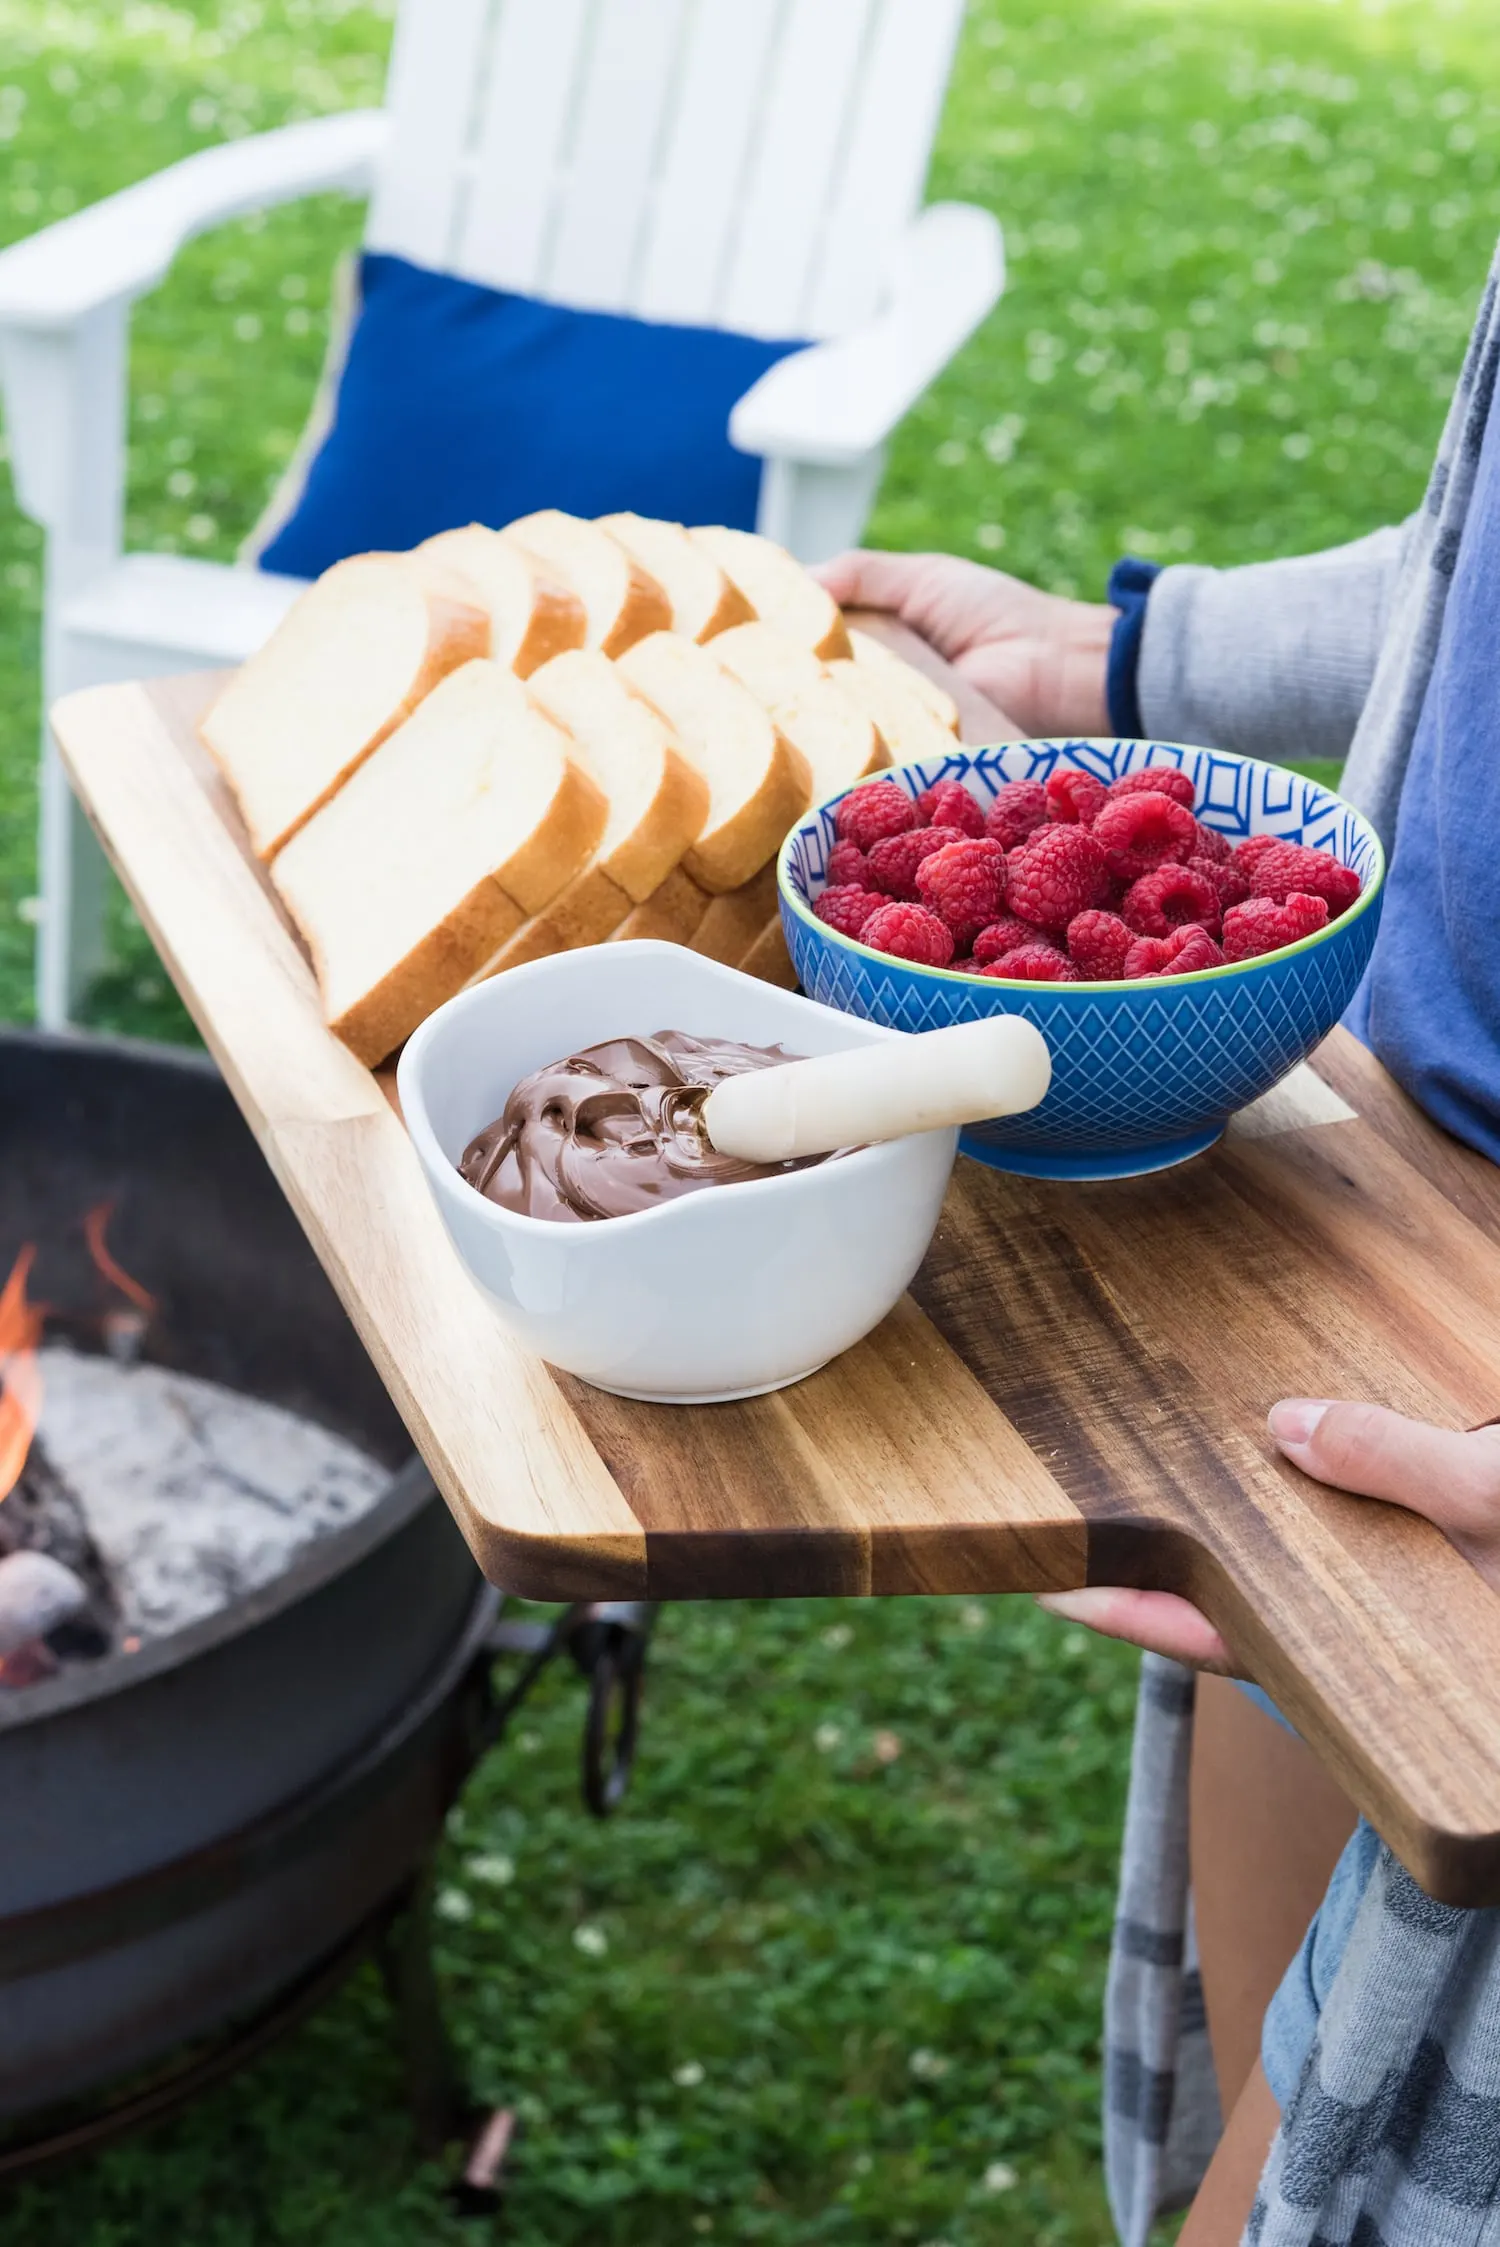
pixel 1068 883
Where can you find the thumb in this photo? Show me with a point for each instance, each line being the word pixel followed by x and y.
pixel 870 580
pixel 1449 1476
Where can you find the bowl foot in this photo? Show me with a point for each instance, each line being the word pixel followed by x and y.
pixel 705 1396
pixel 1121 1162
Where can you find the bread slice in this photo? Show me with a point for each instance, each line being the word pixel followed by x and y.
pixel 351 659
pixel 734 921
pixel 877 657
pixel 622 602
pixel 533 616
pixel 905 721
pixel 587 911
pixel 768 958
pixel 703 600
pixel 758 783
pixel 777 588
pixel 471 816
pixel 672 913
pixel 658 799
pixel 837 737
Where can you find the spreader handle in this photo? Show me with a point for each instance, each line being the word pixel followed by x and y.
pixel 925 1082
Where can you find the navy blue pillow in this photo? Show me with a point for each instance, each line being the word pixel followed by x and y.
pixel 461 404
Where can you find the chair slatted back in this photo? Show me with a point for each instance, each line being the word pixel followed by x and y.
pixel 745 164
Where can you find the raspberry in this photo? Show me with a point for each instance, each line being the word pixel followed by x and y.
pixel 1033 963
pixel 1142 831
pixel 870 813
pixel 1171 897
pixel 1074 798
pixel 1156 780
pixel 1184 952
pixel 1055 876
pixel 1249 853
pixel 847 864
pixel 1213 845
pixel 1019 808
pixel 894 862
pixel 1002 936
pixel 949 804
pixel 964 883
pixel 1233 886
pixel 1260 925
pixel 847 908
pixel 1097 945
pixel 1316 873
pixel 909 932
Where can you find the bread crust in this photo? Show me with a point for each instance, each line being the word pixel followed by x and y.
pixel 671 914
pixel 741 846
pixel 651 543
pixel 736 918
pixel 768 958
pixel 586 911
pixel 384 1016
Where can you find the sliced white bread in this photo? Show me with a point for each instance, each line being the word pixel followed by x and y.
pixel 758 783
pixel 658 799
pixel 837 737
pixel 876 656
pixel 657 802
pixel 777 588
pixel 471 816
pixel 349 661
pixel 533 616
pixel 734 921
pixel 622 602
pixel 769 959
pixel 671 913
pixel 586 911
pixel 905 721
pixel 703 599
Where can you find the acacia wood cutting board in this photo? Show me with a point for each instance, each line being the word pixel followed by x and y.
pixel 1075 1390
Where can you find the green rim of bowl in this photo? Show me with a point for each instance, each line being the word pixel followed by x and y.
pixel 1365 899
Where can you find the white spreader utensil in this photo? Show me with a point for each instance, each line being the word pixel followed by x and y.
pixel 927 1081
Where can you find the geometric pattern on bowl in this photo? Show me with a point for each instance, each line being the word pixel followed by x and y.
pixel 1144 1073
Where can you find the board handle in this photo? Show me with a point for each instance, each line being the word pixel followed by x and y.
pixel 1372 1635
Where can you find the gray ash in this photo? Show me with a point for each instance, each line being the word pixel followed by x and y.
pixel 169 1498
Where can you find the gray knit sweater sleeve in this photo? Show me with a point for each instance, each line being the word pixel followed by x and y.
pixel 1273 660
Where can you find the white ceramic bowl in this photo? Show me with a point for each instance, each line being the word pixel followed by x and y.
pixel 723 1293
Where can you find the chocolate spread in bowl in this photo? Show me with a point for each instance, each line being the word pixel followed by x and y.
pixel 616 1129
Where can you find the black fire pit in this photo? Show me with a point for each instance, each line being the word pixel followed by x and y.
pixel 203 1830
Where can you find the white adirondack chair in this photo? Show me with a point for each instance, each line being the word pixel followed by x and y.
pixel 756 165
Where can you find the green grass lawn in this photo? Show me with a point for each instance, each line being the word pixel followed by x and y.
pixel 835 1973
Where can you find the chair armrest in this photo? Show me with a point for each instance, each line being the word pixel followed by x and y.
pixel 123 246
pixel 835 402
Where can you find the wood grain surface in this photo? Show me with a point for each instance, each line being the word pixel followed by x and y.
pixel 1076 1388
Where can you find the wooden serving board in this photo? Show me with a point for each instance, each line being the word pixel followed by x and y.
pixel 1076 1389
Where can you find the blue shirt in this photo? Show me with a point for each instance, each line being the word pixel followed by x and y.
pixel 1429 1006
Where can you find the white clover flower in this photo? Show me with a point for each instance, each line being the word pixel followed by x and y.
pixel 592 1941
pixel 999 2177
pixel 928 2067
pixel 453 1905
pixel 828 1737
pixel 689 2075
pixel 494 1868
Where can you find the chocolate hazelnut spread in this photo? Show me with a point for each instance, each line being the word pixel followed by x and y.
pixel 616 1129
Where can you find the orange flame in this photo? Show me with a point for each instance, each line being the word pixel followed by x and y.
pixel 93 1232
pixel 20 1381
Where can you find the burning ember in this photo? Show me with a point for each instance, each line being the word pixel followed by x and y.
pixel 39 1592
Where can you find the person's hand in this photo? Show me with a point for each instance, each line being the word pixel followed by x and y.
pixel 1040 657
pixel 1450 1478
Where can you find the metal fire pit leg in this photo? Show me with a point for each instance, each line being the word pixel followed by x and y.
pixel 439 2098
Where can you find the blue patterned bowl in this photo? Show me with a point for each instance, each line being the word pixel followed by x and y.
pixel 1144 1074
